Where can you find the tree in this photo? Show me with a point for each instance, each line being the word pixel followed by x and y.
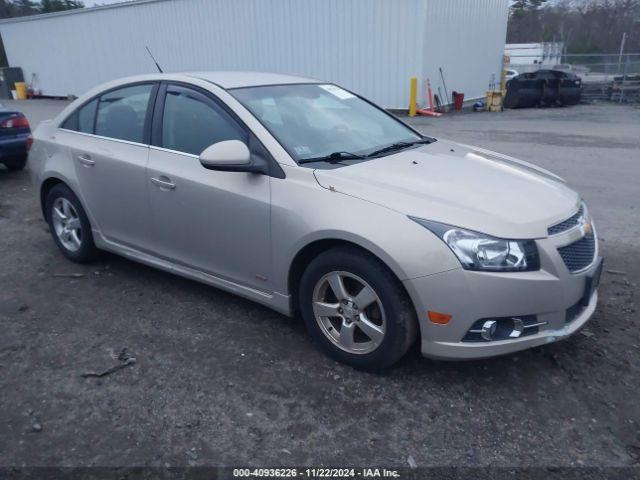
pixel 20 8
pixel 584 26
pixel 524 20
pixel 24 7
pixel 5 9
pixel 48 6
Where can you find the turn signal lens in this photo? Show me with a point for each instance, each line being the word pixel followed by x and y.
pixel 439 318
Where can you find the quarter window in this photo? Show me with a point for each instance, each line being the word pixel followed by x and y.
pixel 122 113
pixel 192 122
pixel 86 116
pixel 82 119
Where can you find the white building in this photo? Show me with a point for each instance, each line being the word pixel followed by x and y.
pixel 543 54
pixel 370 46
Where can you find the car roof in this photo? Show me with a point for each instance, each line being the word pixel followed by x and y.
pixel 223 79
pixel 249 79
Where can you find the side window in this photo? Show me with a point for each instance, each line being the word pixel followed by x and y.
pixel 191 122
pixel 122 113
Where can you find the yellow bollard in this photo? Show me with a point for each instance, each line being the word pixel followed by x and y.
pixel 506 59
pixel 413 97
pixel 21 90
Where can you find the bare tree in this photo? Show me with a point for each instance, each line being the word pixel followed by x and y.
pixel 585 26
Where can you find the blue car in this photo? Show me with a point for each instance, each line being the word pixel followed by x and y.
pixel 15 139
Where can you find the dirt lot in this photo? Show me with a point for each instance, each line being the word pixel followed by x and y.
pixel 220 380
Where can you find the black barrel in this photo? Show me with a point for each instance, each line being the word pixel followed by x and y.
pixel 525 90
pixel 570 89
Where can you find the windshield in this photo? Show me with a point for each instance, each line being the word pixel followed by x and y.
pixel 314 121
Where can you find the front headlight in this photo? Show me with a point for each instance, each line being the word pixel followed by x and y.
pixel 477 251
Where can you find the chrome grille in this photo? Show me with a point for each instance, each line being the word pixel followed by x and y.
pixel 568 224
pixel 579 255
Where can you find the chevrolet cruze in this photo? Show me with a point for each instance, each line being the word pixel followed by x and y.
pixel 307 198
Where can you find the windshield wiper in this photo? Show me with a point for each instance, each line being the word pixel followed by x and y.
pixel 331 158
pixel 335 157
pixel 398 146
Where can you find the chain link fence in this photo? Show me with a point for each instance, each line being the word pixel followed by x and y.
pixel 589 67
pixel 609 77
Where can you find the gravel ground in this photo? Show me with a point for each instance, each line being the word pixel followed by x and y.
pixel 222 381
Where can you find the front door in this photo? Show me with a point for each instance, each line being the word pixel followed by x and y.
pixel 211 221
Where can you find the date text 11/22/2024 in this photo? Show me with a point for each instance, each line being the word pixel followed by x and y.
pixel 315 473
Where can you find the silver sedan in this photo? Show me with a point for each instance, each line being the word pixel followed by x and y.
pixel 309 199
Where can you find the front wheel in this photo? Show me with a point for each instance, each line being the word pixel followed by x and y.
pixel 356 309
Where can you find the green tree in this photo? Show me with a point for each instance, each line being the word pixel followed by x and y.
pixel 584 26
pixel 25 7
pixel 48 6
pixel 20 8
pixel 524 21
pixel 5 9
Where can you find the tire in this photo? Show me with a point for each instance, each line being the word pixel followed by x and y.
pixel 17 164
pixel 78 247
pixel 391 311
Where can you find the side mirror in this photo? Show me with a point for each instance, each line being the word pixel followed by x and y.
pixel 229 155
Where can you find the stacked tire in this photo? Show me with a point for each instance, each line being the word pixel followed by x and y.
pixel 543 88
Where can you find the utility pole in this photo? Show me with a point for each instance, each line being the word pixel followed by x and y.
pixel 624 38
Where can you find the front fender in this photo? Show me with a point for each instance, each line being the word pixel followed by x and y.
pixel 303 212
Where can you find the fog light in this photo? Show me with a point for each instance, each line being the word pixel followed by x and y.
pixel 505 328
pixel 516 328
pixel 508 328
pixel 489 329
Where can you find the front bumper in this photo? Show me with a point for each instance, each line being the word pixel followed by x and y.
pixel 551 294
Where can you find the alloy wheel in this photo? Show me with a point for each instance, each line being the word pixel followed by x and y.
pixel 66 223
pixel 349 312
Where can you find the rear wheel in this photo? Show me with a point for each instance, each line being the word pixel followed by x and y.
pixel 356 310
pixel 69 225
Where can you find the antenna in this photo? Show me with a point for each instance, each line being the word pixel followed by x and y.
pixel 154 60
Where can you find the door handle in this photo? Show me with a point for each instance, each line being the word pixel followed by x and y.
pixel 163 182
pixel 86 160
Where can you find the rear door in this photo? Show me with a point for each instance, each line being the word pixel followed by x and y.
pixel 110 150
pixel 215 222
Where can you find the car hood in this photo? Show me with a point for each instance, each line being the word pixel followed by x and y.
pixel 460 185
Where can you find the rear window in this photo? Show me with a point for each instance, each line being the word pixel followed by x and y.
pixel 117 114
